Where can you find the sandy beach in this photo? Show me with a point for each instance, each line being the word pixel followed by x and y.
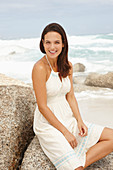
pixel 95 103
pixel 97 110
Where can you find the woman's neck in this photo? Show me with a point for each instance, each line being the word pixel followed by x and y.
pixel 53 62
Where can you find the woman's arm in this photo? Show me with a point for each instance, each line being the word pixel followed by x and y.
pixel 39 76
pixel 74 106
pixel 39 85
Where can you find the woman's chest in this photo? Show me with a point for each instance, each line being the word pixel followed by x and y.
pixel 55 86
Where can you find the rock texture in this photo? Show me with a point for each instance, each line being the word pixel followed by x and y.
pixel 95 79
pixel 78 67
pixel 35 159
pixel 79 79
pixel 79 85
pixel 17 105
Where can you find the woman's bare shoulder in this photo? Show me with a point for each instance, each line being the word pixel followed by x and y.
pixel 39 65
pixel 39 69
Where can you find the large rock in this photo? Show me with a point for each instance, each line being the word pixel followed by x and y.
pixel 35 159
pixel 78 67
pixel 95 79
pixel 17 105
pixel 79 79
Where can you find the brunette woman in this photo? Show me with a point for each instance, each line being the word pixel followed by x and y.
pixel 66 139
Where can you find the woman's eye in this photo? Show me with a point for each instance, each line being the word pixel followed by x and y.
pixel 57 42
pixel 47 42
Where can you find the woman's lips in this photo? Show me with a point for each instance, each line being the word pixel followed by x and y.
pixel 52 52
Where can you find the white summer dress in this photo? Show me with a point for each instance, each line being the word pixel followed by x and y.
pixel 52 141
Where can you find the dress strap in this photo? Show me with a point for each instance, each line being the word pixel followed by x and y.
pixel 49 63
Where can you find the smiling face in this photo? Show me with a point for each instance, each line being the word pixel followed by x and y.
pixel 53 44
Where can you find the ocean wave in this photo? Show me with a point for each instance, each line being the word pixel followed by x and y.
pixel 19 49
pixel 89 40
pixel 94 51
pixel 105 93
pixel 31 43
pixel 11 49
pixel 102 66
pixel 105 36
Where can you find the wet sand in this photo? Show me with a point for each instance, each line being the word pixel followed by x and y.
pixel 97 110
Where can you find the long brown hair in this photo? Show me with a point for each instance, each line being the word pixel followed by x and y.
pixel 62 62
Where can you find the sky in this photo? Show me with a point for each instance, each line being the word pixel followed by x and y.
pixel 27 18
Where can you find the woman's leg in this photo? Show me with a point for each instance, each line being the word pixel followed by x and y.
pixel 102 148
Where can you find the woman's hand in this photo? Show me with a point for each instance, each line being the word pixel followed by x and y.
pixel 70 138
pixel 82 128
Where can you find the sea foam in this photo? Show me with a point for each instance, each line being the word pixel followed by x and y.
pixel 17 57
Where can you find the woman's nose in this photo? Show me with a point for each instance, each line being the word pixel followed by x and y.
pixel 52 46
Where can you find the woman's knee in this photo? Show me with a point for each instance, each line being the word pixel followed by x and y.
pixel 107 134
pixel 111 138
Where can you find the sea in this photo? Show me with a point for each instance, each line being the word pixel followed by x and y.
pixel 18 56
